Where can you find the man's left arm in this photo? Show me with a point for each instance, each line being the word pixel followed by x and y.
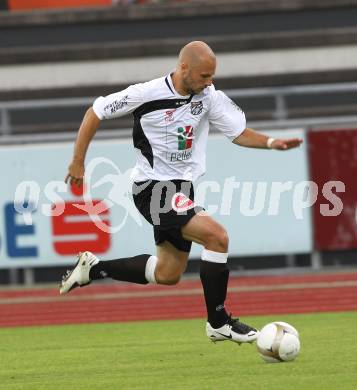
pixel 252 139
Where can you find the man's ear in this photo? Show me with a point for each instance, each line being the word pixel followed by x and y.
pixel 184 67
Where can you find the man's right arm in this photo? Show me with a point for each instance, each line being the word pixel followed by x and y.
pixel 107 107
pixel 88 128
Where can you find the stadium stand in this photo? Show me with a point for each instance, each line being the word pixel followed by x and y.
pixel 90 51
pixel 86 52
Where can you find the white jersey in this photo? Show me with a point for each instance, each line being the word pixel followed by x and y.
pixel 170 130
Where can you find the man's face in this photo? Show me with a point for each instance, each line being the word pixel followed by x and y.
pixel 196 78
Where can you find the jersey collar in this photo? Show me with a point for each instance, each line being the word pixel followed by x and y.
pixel 170 85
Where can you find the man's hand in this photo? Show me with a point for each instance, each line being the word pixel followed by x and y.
pixel 286 144
pixel 250 138
pixel 75 174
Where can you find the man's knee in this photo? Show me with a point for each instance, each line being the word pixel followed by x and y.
pixel 217 240
pixel 168 280
pixel 166 273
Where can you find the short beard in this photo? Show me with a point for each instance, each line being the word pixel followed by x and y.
pixel 189 90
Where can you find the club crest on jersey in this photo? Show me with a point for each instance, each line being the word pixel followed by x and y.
pixel 196 108
pixel 185 137
pixel 181 203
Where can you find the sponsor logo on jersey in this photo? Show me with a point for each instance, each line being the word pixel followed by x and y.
pixel 196 108
pixel 180 156
pixel 180 202
pixel 169 116
pixel 117 105
pixel 185 137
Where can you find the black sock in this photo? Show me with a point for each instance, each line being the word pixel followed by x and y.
pixel 130 269
pixel 214 278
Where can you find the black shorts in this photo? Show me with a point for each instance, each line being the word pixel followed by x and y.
pixel 167 205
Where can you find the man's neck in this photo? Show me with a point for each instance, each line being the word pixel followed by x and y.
pixel 177 83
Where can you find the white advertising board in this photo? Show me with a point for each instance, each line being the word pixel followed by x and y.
pixel 240 189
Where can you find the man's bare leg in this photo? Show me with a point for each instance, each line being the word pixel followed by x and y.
pixel 214 272
pixel 214 276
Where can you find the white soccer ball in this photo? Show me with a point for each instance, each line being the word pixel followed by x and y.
pixel 278 342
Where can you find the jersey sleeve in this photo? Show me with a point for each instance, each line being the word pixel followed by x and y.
pixel 119 103
pixel 226 116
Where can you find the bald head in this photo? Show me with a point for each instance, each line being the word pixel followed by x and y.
pixel 196 53
pixel 195 69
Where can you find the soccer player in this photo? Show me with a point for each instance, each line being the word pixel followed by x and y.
pixel 172 116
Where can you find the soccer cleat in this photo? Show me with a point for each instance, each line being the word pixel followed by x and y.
pixel 79 276
pixel 233 330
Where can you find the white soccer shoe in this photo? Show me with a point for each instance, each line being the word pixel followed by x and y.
pixel 233 330
pixel 79 276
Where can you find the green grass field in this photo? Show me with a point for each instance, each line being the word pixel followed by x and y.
pixel 175 355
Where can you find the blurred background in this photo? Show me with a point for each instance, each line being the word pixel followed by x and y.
pixel 291 65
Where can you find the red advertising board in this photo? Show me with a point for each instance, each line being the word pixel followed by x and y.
pixel 33 4
pixel 333 160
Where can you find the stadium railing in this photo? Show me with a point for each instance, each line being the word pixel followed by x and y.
pixel 285 111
